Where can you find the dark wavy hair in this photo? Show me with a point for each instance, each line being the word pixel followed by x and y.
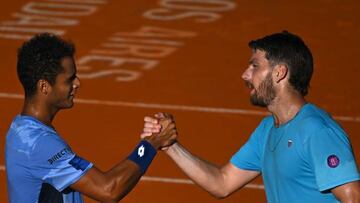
pixel 40 58
pixel 289 49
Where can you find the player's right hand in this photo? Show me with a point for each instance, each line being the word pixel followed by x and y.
pixel 160 131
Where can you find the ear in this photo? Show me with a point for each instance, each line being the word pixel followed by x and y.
pixel 43 87
pixel 280 72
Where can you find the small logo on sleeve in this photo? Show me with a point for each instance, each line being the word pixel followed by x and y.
pixel 141 151
pixel 333 161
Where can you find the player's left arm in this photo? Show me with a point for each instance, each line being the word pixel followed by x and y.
pixel 348 193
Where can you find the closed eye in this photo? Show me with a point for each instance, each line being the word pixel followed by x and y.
pixel 254 66
pixel 72 78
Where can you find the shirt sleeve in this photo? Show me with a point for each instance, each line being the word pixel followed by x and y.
pixel 55 163
pixel 248 157
pixel 332 159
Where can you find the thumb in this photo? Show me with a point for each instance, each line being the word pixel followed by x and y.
pixel 160 115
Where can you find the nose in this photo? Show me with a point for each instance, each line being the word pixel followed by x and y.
pixel 76 83
pixel 246 74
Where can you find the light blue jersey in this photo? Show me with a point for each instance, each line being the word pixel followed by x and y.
pixel 301 160
pixel 40 165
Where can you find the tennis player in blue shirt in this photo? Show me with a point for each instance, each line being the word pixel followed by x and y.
pixel 301 152
pixel 40 165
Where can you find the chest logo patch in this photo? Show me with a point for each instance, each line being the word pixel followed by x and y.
pixel 290 142
pixel 333 161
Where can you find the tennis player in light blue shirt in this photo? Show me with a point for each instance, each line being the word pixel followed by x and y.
pixel 40 165
pixel 303 155
pixel 300 160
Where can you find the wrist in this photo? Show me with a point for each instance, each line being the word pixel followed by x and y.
pixel 153 142
pixel 143 155
pixel 171 149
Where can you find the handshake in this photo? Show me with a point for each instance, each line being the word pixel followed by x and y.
pixel 160 131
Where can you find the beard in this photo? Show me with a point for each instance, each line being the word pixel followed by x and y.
pixel 265 93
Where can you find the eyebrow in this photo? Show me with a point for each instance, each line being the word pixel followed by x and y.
pixel 252 61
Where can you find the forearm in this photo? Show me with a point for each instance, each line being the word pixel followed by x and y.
pixel 113 185
pixel 122 178
pixel 206 175
pixel 109 186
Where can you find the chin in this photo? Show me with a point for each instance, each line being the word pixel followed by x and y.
pixel 68 105
pixel 257 102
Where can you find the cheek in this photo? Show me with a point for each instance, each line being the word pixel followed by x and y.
pixel 64 90
pixel 67 87
pixel 256 82
pixel 260 77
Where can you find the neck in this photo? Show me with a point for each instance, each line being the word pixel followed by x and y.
pixel 285 107
pixel 38 109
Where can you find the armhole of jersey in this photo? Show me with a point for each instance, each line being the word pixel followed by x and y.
pixel 49 194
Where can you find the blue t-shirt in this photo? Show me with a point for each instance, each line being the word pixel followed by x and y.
pixel 301 160
pixel 40 165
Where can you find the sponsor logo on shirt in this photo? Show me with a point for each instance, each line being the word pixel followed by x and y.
pixel 333 161
pixel 60 154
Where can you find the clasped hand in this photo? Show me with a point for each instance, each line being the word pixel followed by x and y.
pixel 160 130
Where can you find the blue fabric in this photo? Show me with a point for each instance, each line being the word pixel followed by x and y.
pixel 36 154
pixel 142 155
pixel 79 163
pixel 301 160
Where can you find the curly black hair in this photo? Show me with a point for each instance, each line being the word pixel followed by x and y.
pixel 291 50
pixel 40 58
